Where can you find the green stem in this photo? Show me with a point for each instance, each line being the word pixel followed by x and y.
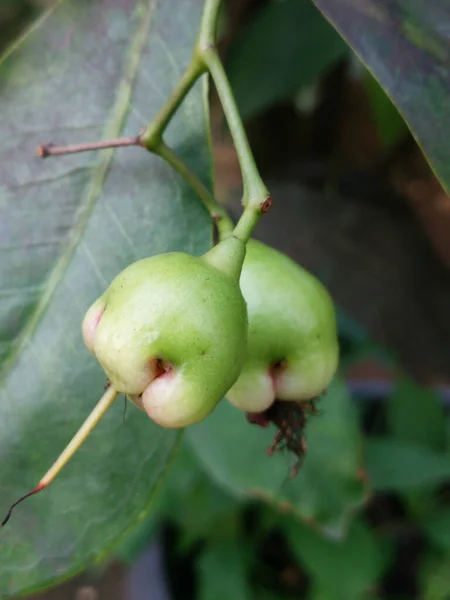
pixel 256 199
pixel 152 134
pixel 208 25
pixel 247 223
pixel 255 192
pixel 218 214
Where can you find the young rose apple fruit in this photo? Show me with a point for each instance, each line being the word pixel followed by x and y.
pixel 292 348
pixel 170 332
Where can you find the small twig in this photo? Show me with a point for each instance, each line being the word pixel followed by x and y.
pixel 45 150
pixel 205 58
pixel 218 214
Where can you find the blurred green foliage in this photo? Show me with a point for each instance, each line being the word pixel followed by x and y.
pixel 266 62
pixel 229 531
pixel 370 485
pixel 242 543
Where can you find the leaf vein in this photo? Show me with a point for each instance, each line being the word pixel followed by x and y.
pixel 119 112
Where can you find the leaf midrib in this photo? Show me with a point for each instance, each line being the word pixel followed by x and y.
pixel 113 128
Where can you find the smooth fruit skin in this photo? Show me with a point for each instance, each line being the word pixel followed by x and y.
pixel 292 348
pixel 170 332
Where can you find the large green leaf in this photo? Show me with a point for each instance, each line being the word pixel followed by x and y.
pixel 437 528
pixel 286 46
pixel 68 226
pixel 433 575
pixel 389 124
pixel 222 571
pixel 345 570
pixel 190 500
pixel 397 465
pixel 415 415
pixel 405 43
pixel 328 487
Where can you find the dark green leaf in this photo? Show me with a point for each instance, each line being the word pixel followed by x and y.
pixel 287 45
pixel 137 540
pixel 192 501
pixel 416 415
pixel 260 593
pixel 433 576
pixel 395 465
pixel 316 592
pixel 222 572
pixel 390 125
pixel 405 44
pixel 189 499
pixel 342 570
pixel 87 70
pixel 437 528
pixel 328 487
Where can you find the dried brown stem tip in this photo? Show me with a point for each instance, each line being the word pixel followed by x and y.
pixel 37 489
pixel 44 150
pixel 266 205
pixel 290 418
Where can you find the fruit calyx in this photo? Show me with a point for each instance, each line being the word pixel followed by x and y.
pixel 290 419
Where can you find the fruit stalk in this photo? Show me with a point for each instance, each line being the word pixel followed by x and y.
pixel 93 419
pixel 255 192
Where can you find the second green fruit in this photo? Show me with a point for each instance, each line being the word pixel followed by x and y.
pixel 292 348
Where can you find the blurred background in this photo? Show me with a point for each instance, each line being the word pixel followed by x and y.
pixel 356 203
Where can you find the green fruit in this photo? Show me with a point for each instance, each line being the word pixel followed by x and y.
pixel 292 351
pixel 171 330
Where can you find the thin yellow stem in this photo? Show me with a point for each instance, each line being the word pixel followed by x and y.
pixel 100 408
pixel 93 419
